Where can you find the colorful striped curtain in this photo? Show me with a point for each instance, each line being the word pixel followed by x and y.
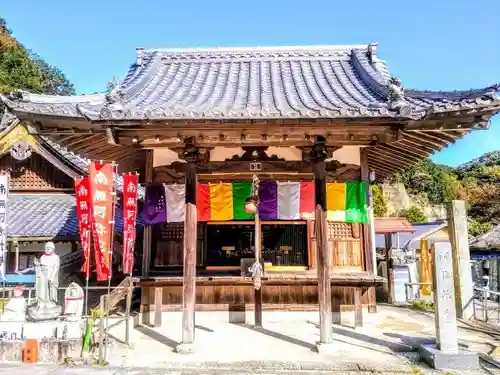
pixel 346 202
pixel 278 200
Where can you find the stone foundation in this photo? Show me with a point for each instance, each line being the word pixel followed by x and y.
pixel 49 351
pixel 57 340
pixel 245 315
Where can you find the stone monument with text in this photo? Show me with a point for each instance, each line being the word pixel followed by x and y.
pixel 446 353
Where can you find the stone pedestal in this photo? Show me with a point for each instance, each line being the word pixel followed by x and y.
pixel 329 349
pixel 185 348
pixel 446 355
pixel 439 360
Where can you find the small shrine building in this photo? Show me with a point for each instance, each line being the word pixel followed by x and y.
pixel 41 204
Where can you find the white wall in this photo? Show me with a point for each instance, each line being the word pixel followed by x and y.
pixel 347 154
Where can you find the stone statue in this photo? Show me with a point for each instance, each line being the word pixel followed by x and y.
pixel 46 283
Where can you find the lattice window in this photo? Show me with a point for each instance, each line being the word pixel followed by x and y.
pixel 172 231
pixel 339 230
pixel 346 249
pixel 170 248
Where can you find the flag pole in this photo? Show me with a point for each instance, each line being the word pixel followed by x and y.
pixel 110 257
pixel 135 222
pixel 132 260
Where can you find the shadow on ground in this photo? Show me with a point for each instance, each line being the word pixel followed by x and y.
pixel 279 336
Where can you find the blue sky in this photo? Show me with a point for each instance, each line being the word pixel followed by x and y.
pixel 439 44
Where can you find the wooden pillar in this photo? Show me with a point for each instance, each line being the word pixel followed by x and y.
pixel 462 272
pixel 190 236
pixel 158 293
pixel 323 259
pixel 370 253
pixel 191 156
pixel 148 230
pixel 390 270
pixel 368 240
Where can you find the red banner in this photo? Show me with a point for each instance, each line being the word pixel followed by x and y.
pixel 130 182
pixel 82 191
pixel 102 197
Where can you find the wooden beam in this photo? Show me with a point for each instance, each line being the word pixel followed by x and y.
pixel 323 257
pixel 443 136
pixel 381 160
pixel 63 140
pixel 381 170
pixel 91 145
pixel 148 229
pixel 391 155
pixel 424 139
pixel 116 152
pixel 417 145
pixel 406 148
pixel 389 149
pixel 386 161
pixel 81 139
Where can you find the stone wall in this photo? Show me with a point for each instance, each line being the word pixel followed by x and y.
pixel 398 199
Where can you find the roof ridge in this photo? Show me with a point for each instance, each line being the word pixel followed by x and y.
pixel 262 49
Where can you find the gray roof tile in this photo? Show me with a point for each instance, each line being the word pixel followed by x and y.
pixel 42 216
pixel 47 216
pixel 271 82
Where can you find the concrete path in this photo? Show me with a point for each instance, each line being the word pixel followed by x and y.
pixel 288 341
pixel 59 370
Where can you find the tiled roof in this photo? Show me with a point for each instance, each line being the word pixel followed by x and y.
pixel 487 241
pixel 409 239
pixel 260 82
pixel 51 215
pixel 42 216
pixel 392 225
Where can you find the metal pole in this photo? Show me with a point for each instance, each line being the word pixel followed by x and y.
pixel 86 296
pixel 127 311
pixel 102 331
pixel 110 259
pixel 131 287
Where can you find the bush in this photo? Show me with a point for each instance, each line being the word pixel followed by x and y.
pixel 413 214
pixel 379 202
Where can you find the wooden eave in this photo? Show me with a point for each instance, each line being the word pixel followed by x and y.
pixel 22 239
pixel 393 143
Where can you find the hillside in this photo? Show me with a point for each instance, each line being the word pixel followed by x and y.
pixel 429 186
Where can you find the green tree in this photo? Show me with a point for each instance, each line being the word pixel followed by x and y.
pixel 477 182
pixel 379 202
pixel 22 69
pixel 413 214
pixel 476 228
pixel 436 183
